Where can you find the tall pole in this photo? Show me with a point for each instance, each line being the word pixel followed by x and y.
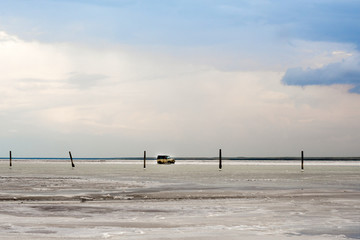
pixel 220 160
pixel 10 159
pixel 144 159
pixel 72 162
pixel 302 160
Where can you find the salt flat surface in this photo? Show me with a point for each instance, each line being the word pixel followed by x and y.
pixel 183 201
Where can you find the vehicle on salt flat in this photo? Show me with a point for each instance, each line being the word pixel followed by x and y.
pixel 165 159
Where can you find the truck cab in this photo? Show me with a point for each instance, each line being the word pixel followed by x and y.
pixel 165 159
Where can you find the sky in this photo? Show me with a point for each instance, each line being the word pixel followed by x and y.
pixel 113 78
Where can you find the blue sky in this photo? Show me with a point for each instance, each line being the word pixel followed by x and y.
pixel 86 75
pixel 182 22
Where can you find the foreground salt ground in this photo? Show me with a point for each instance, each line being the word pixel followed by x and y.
pixel 184 201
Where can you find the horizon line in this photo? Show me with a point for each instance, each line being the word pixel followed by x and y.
pixel 187 158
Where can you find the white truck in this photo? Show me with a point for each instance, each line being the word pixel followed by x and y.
pixel 165 159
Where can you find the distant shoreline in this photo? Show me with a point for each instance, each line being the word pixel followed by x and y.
pixel 342 159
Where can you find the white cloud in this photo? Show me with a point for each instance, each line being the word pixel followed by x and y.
pixel 118 100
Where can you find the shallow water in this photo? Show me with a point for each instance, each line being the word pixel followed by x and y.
pixel 52 200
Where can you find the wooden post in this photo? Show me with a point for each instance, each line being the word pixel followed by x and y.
pixel 72 162
pixel 144 159
pixel 220 160
pixel 302 160
pixel 10 159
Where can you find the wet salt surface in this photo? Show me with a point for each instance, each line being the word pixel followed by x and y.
pixel 185 201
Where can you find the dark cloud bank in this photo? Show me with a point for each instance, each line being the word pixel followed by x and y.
pixel 345 72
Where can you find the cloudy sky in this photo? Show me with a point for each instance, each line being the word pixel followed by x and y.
pixel 107 78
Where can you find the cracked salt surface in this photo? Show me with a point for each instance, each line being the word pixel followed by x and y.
pixel 185 201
